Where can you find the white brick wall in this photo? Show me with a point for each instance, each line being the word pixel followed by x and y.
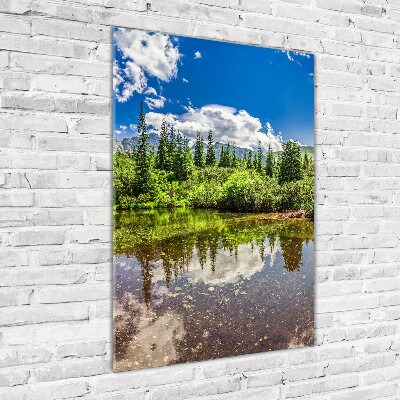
pixel 55 216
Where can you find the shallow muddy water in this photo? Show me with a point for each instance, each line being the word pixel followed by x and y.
pixel 193 285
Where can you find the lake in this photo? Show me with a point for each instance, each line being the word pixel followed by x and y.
pixel 192 285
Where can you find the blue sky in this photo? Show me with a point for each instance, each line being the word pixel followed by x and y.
pixel 243 93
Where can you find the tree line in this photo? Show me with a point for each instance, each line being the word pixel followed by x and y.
pixel 174 175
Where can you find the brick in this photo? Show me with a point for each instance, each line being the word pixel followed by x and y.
pixel 59 65
pixel 19 7
pixel 13 316
pixel 14 25
pixel 24 356
pixel 35 238
pixel 12 377
pixel 46 46
pixel 15 296
pixel 70 30
pixel 73 293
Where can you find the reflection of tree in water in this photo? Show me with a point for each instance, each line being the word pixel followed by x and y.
pixel 291 248
pixel 172 237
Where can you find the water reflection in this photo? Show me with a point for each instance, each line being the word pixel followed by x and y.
pixel 195 285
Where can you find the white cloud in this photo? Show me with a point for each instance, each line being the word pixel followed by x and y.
pixel 299 53
pixel 185 80
pixel 151 90
pixel 123 127
pixel 155 102
pixel 145 55
pixel 289 56
pixel 228 125
pixel 128 80
pixel 197 55
pixel 118 132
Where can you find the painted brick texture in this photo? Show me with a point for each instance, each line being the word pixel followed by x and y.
pixel 55 199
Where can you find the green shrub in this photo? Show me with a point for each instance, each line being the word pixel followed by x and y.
pixel 205 195
pixel 242 192
pixel 297 195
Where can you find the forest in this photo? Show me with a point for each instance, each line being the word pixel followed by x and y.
pixel 175 175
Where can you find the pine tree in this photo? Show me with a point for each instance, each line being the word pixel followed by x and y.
pixel 143 160
pixel 270 163
pixel 210 157
pixel 234 157
pixel 199 159
pixel 250 160
pixel 178 156
pixel 187 166
pixel 290 163
pixel 162 161
pixel 171 148
pixel 258 163
pixel 222 157
pixel 228 156
pixel 306 164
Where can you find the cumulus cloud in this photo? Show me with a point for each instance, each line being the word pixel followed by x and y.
pixel 155 102
pixel 227 123
pixel 145 55
pixel 151 90
pixel 197 55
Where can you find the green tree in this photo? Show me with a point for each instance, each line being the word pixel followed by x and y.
pixel 199 160
pixel 210 157
pixel 228 156
pixel 178 156
pixel 143 170
pixel 270 163
pixel 308 165
pixel 290 163
pixel 171 148
pixel 250 160
pixel 162 151
pixel 258 160
pixel 234 157
pixel 187 165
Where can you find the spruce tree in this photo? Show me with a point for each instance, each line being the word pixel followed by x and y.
pixel 178 156
pixel 306 164
pixel 270 163
pixel 225 159
pixel 199 160
pixel 162 151
pixel 222 157
pixel 210 157
pixel 258 163
pixel 291 163
pixel 187 166
pixel 171 148
pixel 234 157
pixel 143 159
pixel 250 160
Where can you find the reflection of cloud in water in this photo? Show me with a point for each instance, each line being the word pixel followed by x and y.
pixel 231 266
pixel 153 341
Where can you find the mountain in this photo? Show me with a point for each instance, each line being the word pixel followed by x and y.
pixel 308 149
pixel 132 142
